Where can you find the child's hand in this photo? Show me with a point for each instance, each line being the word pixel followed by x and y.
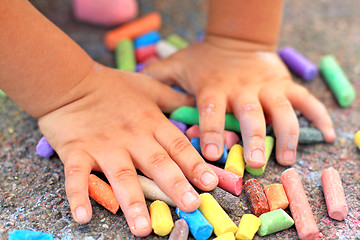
pixel 249 80
pixel 115 126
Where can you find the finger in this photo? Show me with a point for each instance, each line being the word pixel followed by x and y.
pixel 312 109
pixel 285 124
pixel 164 71
pixel 212 108
pixel 249 112
pixel 77 166
pixel 186 157
pixel 154 162
pixel 122 176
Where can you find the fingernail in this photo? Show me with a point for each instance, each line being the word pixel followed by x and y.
pixel 188 198
pixel 257 156
pixel 211 150
pixel 141 222
pixel 208 179
pixel 288 156
pixel 81 215
pixel 331 133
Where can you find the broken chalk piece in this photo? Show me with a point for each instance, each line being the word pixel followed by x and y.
pixel 144 53
pixel 337 81
pixel 102 193
pixel 256 196
pixel 153 192
pixel 310 135
pixel 125 56
pixel 276 196
pixel 225 236
pixel 334 194
pixel 235 162
pixel 274 221
pixel 298 63
pixel 216 215
pixel 248 226
pixel 199 227
pixel 132 30
pixel 29 235
pixel 180 230
pixel 165 49
pixel 179 125
pixel 161 219
pixel 140 67
pixel 357 139
pixel 177 41
pixel 149 38
pixel 196 144
pixel 227 180
pixel 43 148
pixel 3 94
pixel 269 144
pixel 299 206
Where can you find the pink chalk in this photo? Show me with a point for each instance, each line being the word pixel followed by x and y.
pixel 228 181
pixel 230 138
pixel 299 206
pixel 151 59
pixel 105 12
pixel 144 53
pixel 334 194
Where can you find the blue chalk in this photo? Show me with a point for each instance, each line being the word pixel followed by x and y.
pixel 178 89
pixel 140 67
pixel 199 227
pixel 147 39
pixel 43 148
pixel 29 235
pixel 196 144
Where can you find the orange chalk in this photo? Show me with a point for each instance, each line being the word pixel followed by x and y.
pixel 276 197
pixel 131 30
pixel 102 193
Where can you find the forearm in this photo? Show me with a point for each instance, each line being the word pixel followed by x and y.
pixel 41 68
pixel 256 21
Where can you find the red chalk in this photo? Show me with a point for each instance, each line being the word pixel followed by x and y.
pixel 334 194
pixel 230 138
pixel 143 53
pixel 256 196
pixel 150 60
pixel 299 205
pixel 228 181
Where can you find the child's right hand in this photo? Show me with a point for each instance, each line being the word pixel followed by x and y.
pixel 115 126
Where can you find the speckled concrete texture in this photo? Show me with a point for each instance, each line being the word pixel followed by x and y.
pixel 32 194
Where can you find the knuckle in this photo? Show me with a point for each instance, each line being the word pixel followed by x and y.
pixel 280 102
pixel 179 145
pixel 123 174
pixel 73 170
pixel 250 107
pixel 158 159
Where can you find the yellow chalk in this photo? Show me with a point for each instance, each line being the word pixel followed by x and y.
pixel 216 216
pixel 161 219
pixel 357 139
pixel 225 236
pixel 235 161
pixel 248 226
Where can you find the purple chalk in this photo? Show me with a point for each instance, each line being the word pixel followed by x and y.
pixel 298 63
pixel 140 67
pixel 44 149
pixel 180 125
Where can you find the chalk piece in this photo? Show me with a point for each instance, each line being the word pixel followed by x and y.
pixel 196 144
pixel 132 30
pixel 310 135
pixel 176 88
pixel 102 193
pixel 143 53
pixel 161 219
pixel 43 148
pixel 150 60
pixel 125 56
pixel 235 162
pixel 248 226
pixel 165 49
pixel 3 94
pixel 29 235
pixel 298 63
pixel 190 116
pixel 299 206
pixel 256 196
pixel 180 230
pixel 153 192
pixel 140 67
pixel 227 180
pixel 337 81
pixel 334 194
pixel 216 215
pixel 179 125
pixel 146 39
pixel 106 13
pixel 276 196
pixel 357 139
pixel 274 221
pixel 269 144
pixel 200 37
pixel 177 41
pixel 199 227
pixel 225 236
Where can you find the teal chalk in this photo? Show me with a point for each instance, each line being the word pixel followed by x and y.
pixel 310 135
pixel 269 144
pixel 125 56
pixel 29 235
pixel 274 221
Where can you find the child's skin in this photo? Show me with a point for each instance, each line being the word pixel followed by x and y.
pixel 97 118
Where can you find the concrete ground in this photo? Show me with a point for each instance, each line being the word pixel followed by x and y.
pixel 32 194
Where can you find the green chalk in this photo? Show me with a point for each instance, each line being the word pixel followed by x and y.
pixel 338 82
pixel 177 41
pixel 310 135
pixel 2 94
pixel 125 56
pixel 274 221
pixel 269 144
pixel 190 115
